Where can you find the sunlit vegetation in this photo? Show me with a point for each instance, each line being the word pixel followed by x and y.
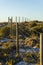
pixel 31 36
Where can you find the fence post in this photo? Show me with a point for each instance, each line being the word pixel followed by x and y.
pixel 41 48
pixel 17 40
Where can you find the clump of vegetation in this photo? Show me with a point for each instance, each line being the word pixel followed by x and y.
pixel 29 32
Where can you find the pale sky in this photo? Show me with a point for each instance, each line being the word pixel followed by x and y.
pixel 33 9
